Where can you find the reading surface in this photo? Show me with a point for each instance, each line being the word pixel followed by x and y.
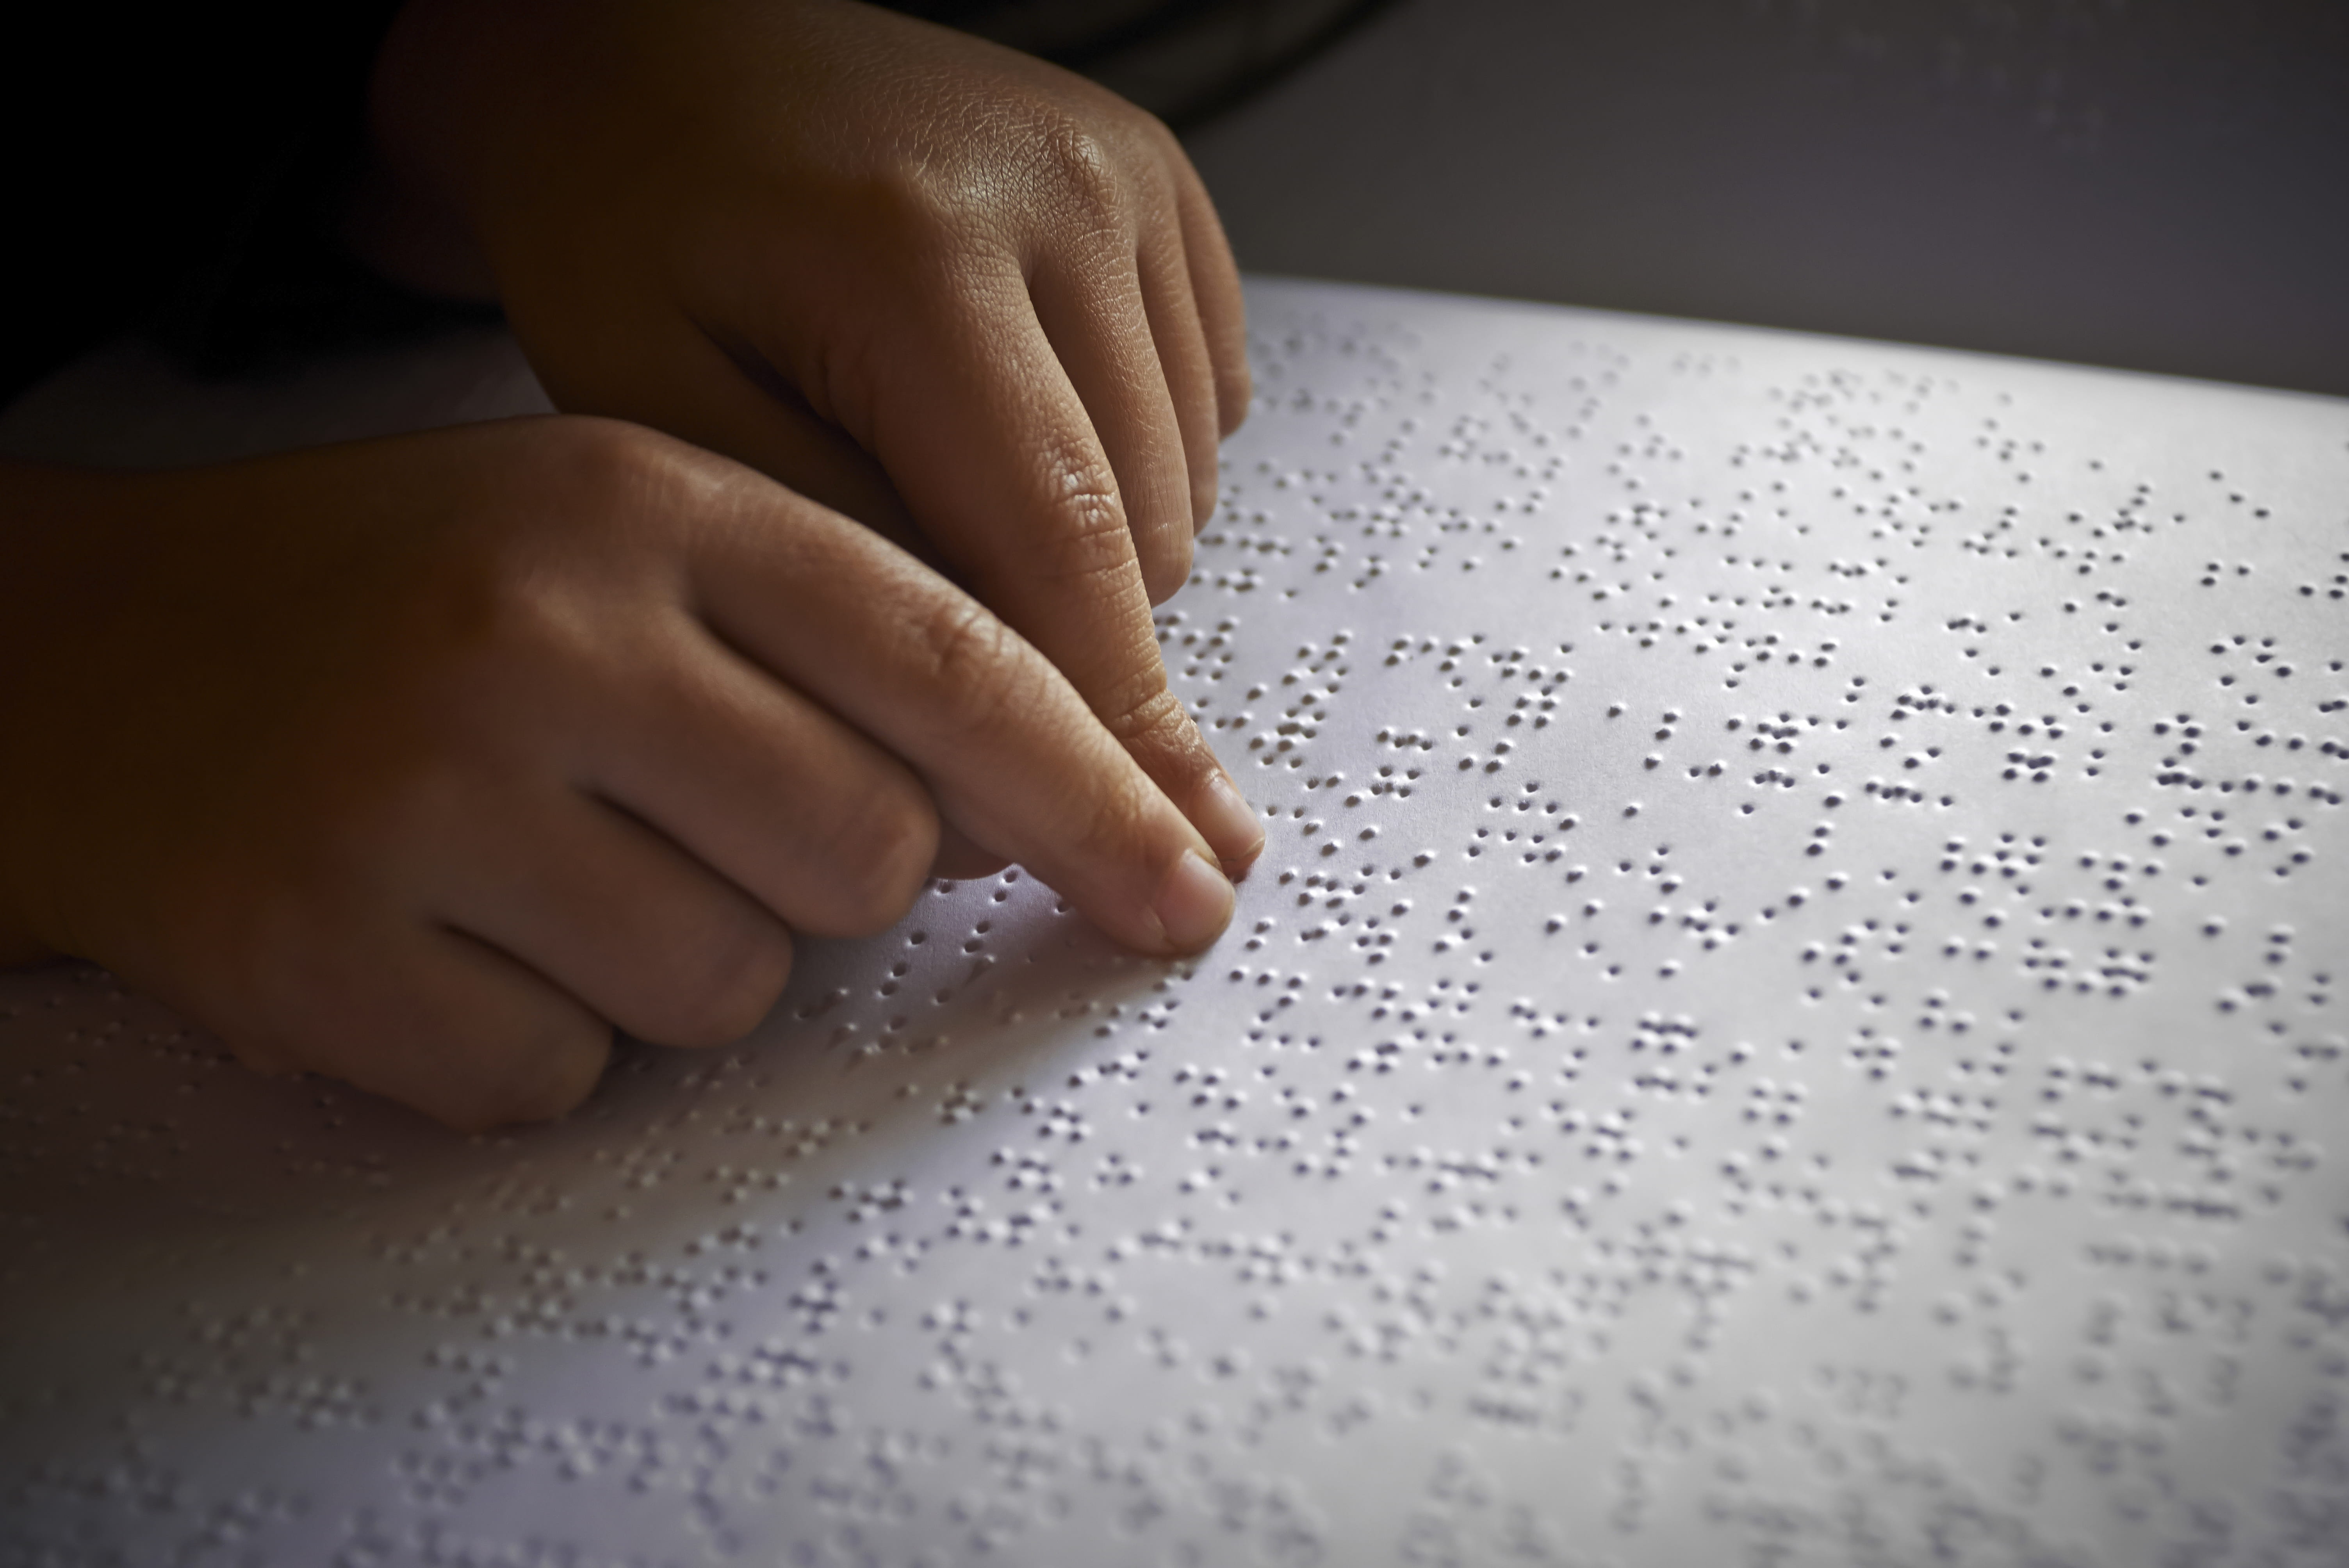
pixel 1791 1013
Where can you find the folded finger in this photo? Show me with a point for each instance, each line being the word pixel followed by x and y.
pixel 1215 285
pixel 607 908
pixel 1092 309
pixel 805 813
pixel 993 448
pixel 1001 741
pixel 721 394
pixel 1163 270
pixel 437 1020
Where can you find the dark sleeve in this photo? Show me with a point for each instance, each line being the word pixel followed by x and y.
pixel 174 169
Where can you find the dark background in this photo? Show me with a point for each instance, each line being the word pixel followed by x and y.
pixel 2160 184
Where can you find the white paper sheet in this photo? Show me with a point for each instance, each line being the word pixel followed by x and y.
pixel 1792 1014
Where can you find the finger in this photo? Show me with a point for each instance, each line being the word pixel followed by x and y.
pixel 621 918
pixel 804 813
pixel 511 1047
pixel 1215 284
pixel 430 1018
pixel 960 859
pixel 741 406
pixel 1002 741
pixel 1182 351
pixel 1093 313
pixel 985 436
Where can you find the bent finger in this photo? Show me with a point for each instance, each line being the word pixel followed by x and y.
pixel 1182 339
pixel 431 1018
pixel 1215 284
pixel 726 396
pixel 801 810
pixel 1093 314
pixel 992 448
pixel 1002 741
pixel 607 908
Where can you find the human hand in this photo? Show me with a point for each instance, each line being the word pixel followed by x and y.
pixel 422 762
pixel 875 258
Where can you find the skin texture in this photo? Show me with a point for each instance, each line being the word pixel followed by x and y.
pixel 948 288
pixel 423 762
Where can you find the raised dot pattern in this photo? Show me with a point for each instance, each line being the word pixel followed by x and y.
pixel 1790 1012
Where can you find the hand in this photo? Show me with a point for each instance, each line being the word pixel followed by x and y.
pixel 423 762
pixel 872 257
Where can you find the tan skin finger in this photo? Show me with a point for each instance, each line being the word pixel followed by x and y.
pixel 745 416
pixel 476 1039
pixel 1020 496
pixel 1215 287
pixel 607 907
pixel 1164 272
pixel 739 406
pixel 1093 313
pixel 808 815
pixel 1005 745
pixel 916 153
pixel 402 1007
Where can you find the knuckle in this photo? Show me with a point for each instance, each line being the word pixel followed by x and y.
pixel 1083 168
pixel 473 1057
pixel 879 858
pixel 909 207
pixel 516 607
pixel 967 657
pixel 722 984
pixel 490 596
pixel 595 489
pixel 496 676
pixel 1093 540
pixel 1150 721
pixel 596 460
pixel 535 1074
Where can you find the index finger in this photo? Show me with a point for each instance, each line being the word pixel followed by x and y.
pixel 1004 743
pixel 985 435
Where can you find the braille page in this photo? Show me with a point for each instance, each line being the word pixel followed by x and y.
pixel 1792 1014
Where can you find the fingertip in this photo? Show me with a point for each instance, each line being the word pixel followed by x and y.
pixel 1194 904
pixel 543 1081
pixel 1227 822
pixel 1166 563
pixel 1206 492
pixel 1235 389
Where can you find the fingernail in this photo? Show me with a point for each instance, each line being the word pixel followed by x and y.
pixel 1194 905
pixel 1229 822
